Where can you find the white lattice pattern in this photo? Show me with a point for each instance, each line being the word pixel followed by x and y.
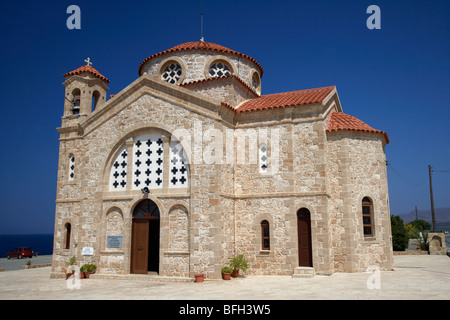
pixel 148 158
pixel 219 69
pixel 172 73
pixel 178 176
pixel 118 176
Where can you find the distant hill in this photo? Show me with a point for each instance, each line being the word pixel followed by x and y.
pixel 442 216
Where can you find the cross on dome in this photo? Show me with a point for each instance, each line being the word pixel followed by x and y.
pixel 88 61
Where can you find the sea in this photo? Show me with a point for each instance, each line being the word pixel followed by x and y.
pixel 40 243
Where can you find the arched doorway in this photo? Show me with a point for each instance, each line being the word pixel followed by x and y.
pixel 304 238
pixel 145 238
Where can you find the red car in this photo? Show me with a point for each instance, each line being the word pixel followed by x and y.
pixel 20 253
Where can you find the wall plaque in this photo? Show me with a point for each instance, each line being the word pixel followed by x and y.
pixel 87 251
pixel 114 241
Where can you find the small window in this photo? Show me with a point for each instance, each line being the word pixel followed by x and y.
pixel 67 232
pixel 265 235
pixel 367 215
pixel 263 158
pixel 219 69
pixel 71 168
pixel 95 99
pixel 172 73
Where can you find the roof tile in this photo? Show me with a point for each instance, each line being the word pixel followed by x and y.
pixel 286 99
pixel 341 121
pixel 199 45
pixel 88 69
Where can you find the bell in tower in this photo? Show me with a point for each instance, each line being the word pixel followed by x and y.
pixel 85 90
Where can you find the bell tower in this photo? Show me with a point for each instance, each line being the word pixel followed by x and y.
pixel 85 91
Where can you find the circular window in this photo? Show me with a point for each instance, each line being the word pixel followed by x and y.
pixel 219 69
pixel 172 73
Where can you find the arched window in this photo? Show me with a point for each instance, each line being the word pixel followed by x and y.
pixel 367 215
pixel 95 99
pixel 146 209
pixel 172 72
pixel 219 69
pixel 265 235
pixel 67 232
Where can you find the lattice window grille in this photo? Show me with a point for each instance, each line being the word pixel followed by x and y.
pixel 172 73
pixel 263 158
pixel 148 159
pixel 71 168
pixel 219 69
pixel 179 175
pixel 118 176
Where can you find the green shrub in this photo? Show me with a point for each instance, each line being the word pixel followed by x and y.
pixel 399 234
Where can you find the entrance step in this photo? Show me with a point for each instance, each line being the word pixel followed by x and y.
pixel 141 277
pixel 303 272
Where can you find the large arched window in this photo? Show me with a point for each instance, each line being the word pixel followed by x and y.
pixel 367 215
pixel 147 158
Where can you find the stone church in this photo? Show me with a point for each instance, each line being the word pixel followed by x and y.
pixel 191 164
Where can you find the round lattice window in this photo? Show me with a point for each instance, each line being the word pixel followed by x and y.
pixel 219 69
pixel 172 73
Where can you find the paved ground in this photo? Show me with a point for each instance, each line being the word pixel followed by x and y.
pixel 414 277
pixel 16 264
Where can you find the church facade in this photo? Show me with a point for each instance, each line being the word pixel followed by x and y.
pixel 191 164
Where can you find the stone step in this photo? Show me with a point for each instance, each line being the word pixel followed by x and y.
pixel 303 272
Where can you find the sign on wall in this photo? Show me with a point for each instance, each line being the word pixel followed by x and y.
pixel 114 241
pixel 87 251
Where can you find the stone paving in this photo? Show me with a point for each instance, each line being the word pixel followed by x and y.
pixel 413 277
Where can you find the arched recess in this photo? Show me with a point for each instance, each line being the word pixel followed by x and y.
pixel 178 230
pixel 114 223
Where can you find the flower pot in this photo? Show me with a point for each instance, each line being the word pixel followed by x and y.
pixel 87 274
pixel 235 273
pixel 226 276
pixel 68 275
pixel 81 275
pixel 199 277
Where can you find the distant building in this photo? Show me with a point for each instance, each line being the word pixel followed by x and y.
pixel 190 165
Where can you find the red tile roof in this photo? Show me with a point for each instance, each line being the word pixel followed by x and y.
pixel 89 69
pixel 285 99
pixel 199 45
pixel 341 121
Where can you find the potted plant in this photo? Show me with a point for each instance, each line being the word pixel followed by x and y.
pixel 70 270
pixel 237 263
pixel 226 273
pixel 88 269
pixel 199 277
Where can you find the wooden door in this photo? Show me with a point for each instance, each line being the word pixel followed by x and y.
pixel 304 238
pixel 139 251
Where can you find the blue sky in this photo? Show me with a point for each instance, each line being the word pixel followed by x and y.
pixel 396 79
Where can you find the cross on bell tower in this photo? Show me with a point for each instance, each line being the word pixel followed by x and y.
pixel 88 61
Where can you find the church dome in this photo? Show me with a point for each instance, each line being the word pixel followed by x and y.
pixel 195 61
